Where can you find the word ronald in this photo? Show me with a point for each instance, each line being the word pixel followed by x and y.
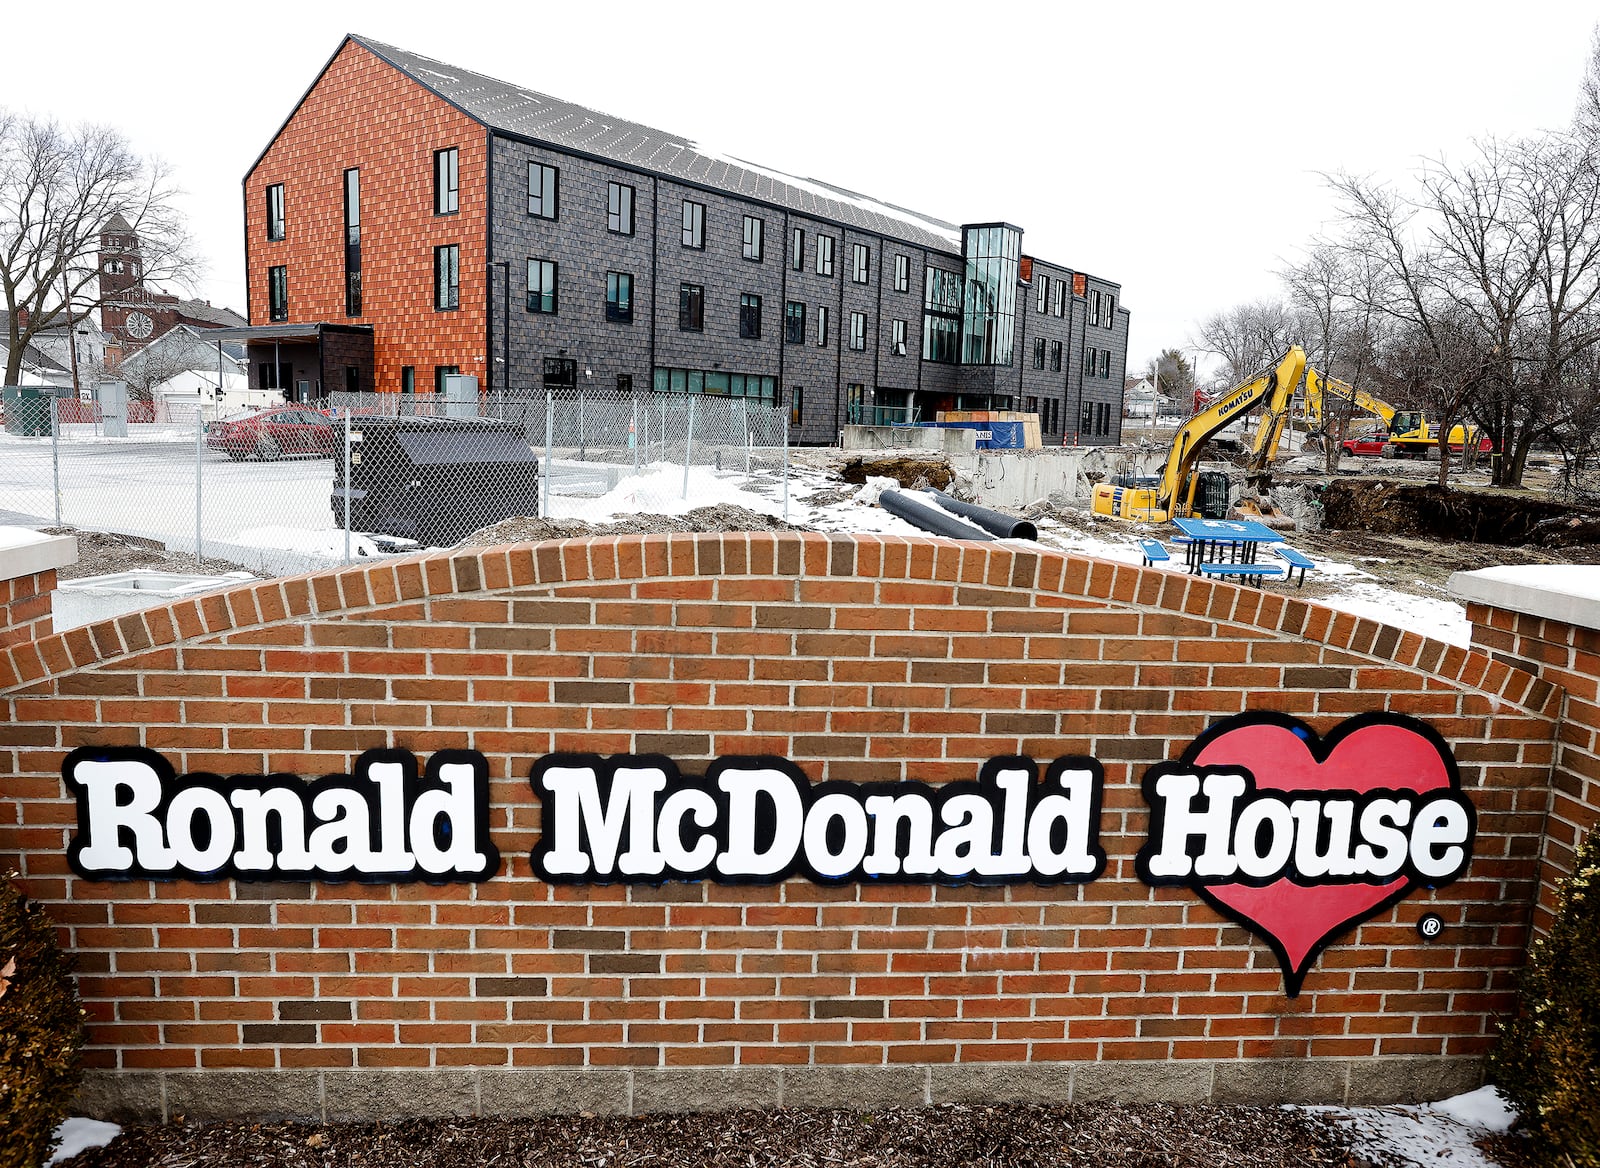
pixel 760 820
pixel 382 822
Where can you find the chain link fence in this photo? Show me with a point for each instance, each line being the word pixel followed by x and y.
pixel 294 488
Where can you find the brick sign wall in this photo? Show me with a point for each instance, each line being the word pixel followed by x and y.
pixel 863 659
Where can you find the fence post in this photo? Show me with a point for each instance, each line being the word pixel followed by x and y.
pixel 549 450
pixel 688 447
pixel 55 452
pixel 583 455
pixel 744 410
pixel 785 466
pixel 633 435
pixel 348 477
pixel 199 453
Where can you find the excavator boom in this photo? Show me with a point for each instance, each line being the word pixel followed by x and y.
pixel 1173 494
pixel 1318 384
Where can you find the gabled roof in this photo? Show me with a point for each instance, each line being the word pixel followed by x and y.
pixel 543 119
pixel 116 225
pixel 207 313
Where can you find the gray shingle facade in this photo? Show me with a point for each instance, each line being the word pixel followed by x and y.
pixel 824 384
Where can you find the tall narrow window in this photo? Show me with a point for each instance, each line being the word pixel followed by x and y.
pixel 1055 356
pixel 1061 296
pixel 1038 352
pixel 275 212
pixel 619 209
pixel 1105 362
pixel 750 316
pixel 447 277
pixel 542 275
pixel 1094 307
pixel 408 379
pixel 902 273
pixel 619 296
pixel 824 255
pixel 797 249
pixel 899 338
pixel 794 323
pixel 352 242
pixel 544 184
pixel 278 293
pixel 753 229
pixel 858 330
pixel 1044 293
pixel 1111 311
pixel 691 307
pixel 797 404
pixel 446 181
pixel 860 263
pixel 1088 362
pixel 822 325
pixel 694 225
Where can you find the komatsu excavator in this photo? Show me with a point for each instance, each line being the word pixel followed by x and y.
pixel 1318 384
pixel 1178 492
pixel 1410 435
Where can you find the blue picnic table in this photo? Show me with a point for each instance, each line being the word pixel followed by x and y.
pixel 1227 547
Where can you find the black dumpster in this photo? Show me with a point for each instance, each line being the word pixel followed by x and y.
pixel 434 480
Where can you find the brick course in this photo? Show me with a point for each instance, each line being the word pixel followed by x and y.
pixel 861 658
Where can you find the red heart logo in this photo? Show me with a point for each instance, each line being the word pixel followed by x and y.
pixel 1374 757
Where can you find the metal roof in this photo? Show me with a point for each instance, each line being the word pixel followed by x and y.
pixel 544 119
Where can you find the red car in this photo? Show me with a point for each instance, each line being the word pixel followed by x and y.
pixel 1367 444
pixel 272 434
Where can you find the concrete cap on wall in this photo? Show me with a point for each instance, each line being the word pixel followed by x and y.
pixel 1563 592
pixel 24 551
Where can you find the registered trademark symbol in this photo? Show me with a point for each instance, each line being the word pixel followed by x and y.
pixel 1430 926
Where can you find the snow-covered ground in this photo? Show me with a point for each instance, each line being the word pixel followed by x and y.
pixel 1442 1133
pixel 79 1135
pixel 279 516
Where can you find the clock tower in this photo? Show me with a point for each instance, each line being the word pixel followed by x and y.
pixel 125 309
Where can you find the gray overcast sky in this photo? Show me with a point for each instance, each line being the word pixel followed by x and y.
pixel 1174 147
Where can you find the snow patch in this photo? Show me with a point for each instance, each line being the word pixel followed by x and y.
pixel 1430 1133
pixel 79 1135
pixel 315 543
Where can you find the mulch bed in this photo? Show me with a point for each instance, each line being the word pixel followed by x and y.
pixel 1090 1136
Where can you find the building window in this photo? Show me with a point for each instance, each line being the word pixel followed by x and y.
pixel 352 242
pixel 1094 307
pixel 1038 352
pixel 797 401
pixel 794 323
pixel 797 249
pixel 1105 362
pixel 1086 419
pixel 1044 294
pixel 941 316
pixel 542 276
pixel 750 317
pixel 1088 362
pixel 275 212
pixel 544 185
pixel 899 338
pixel 278 293
pixel 753 228
pixel 824 255
pixel 1111 311
pixel 408 379
pixel 822 325
pixel 1055 356
pixel 446 181
pixel 1061 297
pixel 694 225
pixel 624 383
pixel 902 273
pixel 560 373
pixel 858 330
pixel 860 263
pixel 440 372
pixel 619 296
pixel 691 307
pixel 619 208
pixel 447 277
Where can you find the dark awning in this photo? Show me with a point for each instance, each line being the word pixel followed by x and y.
pixel 308 333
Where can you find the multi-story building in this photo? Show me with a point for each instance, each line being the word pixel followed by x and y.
pixel 412 219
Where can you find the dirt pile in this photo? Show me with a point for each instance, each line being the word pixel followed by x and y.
pixel 722 517
pixel 1493 517
pixel 913 473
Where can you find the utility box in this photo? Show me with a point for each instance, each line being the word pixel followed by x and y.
pixel 113 397
pixel 434 480
pixel 28 409
pixel 460 396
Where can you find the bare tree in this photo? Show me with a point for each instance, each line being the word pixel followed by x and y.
pixel 58 188
pixel 1249 337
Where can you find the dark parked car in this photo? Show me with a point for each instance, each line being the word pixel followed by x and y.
pixel 275 433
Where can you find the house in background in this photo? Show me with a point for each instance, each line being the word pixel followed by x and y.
pixel 1139 392
pixel 189 365
pixel 411 220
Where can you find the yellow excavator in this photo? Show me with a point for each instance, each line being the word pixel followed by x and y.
pixel 1178 492
pixel 1410 435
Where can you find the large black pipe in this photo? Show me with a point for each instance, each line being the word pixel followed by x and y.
pixel 1005 526
pixel 919 514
